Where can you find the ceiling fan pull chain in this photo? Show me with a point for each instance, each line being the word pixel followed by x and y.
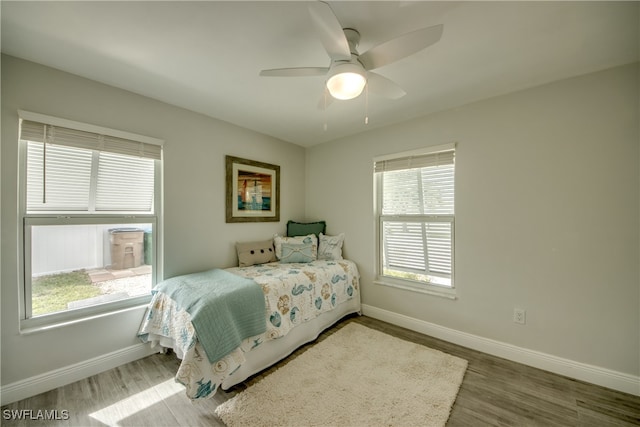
pixel 324 112
pixel 366 104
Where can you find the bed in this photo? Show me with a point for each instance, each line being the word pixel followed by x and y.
pixel 302 295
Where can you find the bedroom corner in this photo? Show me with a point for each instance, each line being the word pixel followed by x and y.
pixel 196 236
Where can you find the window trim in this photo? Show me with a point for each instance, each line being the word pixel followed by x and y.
pixel 407 284
pixel 28 325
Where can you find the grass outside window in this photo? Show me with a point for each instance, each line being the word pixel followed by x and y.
pixel 53 292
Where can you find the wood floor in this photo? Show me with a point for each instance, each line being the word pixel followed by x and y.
pixel 495 392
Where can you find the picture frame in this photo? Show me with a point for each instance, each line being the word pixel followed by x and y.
pixel 253 190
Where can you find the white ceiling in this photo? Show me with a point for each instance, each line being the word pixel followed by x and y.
pixel 205 56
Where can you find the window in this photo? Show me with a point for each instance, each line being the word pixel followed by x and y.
pixel 415 214
pixel 90 200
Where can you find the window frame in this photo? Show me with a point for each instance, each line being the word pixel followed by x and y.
pixel 379 219
pixel 36 218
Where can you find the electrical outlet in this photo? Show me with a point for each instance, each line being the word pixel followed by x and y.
pixel 519 316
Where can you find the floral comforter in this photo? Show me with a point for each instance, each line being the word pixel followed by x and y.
pixel 294 293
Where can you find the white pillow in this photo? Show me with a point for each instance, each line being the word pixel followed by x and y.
pixel 251 253
pixel 330 247
pixel 297 240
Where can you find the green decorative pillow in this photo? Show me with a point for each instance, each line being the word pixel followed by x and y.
pixel 305 228
pixel 292 252
pixel 251 253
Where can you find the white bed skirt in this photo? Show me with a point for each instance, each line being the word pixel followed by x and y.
pixel 273 351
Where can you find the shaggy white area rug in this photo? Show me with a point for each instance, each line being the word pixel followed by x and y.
pixel 355 377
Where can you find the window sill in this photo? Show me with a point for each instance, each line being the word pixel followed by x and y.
pixel 47 323
pixel 422 289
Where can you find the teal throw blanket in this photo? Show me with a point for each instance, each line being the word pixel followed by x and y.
pixel 225 308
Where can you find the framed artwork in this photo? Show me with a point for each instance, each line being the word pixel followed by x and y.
pixel 253 191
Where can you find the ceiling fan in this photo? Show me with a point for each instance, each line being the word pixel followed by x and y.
pixel 349 71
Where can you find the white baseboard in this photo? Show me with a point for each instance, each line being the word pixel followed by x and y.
pixel 581 371
pixel 68 374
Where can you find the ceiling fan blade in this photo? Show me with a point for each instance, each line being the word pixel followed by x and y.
pixel 400 47
pixel 295 72
pixel 330 31
pixel 384 87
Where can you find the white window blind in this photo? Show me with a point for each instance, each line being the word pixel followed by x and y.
pixel 68 178
pixel 80 171
pixel 440 158
pixel 58 135
pixel 124 183
pixel 416 215
pixel 422 247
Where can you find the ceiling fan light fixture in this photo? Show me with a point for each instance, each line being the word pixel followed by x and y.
pixel 346 81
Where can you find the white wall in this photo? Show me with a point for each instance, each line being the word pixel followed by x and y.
pixel 547 216
pixel 196 236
